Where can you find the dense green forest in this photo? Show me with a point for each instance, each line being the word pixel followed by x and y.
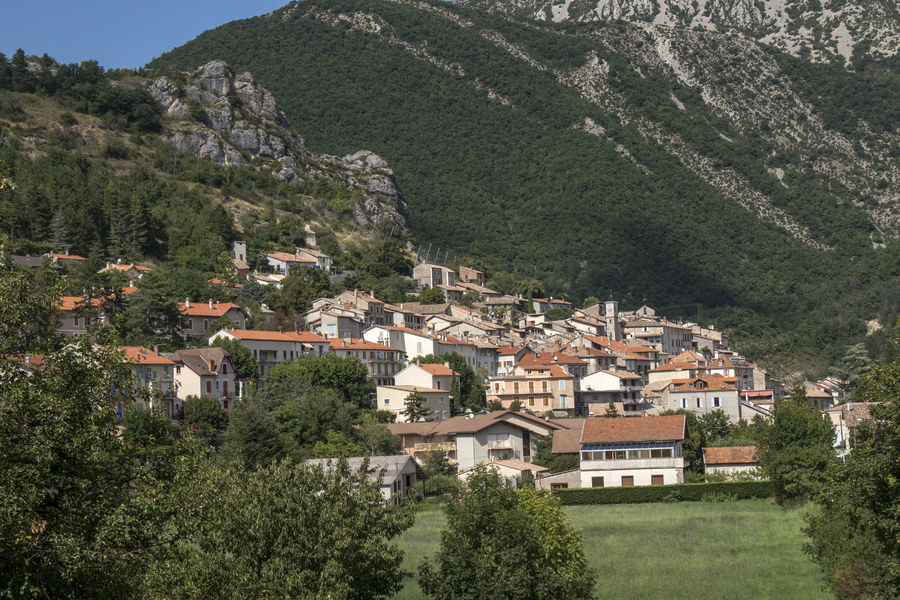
pixel 519 187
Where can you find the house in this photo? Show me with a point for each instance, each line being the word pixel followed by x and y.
pixel 626 451
pixel 323 261
pixel 709 338
pixel 240 258
pixel 398 473
pixel 845 418
pixel 65 258
pixel 511 469
pixel 821 398
pixel 131 270
pixel 537 388
pixel 703 394
pixel 452 293
pixel 76 315
pixel 616 386
pixel 393 398
pixel 154 378
pixel 281 263
pixel 476 439
pixel 398 316
pixel 481 290
pixel 471 275
pixel 428 275
pixel 382 362
pixel 662 334
pixel 272 347
pixel 730 460
pixel 431 381
pixel 372 308
pixel 204 372
pixel 543 305
pixel 508 356
pixel 199 315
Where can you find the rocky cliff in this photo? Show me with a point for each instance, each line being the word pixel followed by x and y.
pixel 820 29
pixel 233 120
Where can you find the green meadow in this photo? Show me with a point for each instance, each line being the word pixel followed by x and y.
pixel 744 550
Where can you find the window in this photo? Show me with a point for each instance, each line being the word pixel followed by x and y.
pixel 627 480
pixel 225 404
pixel 440 399
pixel 546 401
pixel 254 353
pixel 656 480
pixel 75 321
pixel 661 453
pixel 205 324
pixel 530 400
pixel 178 369
pixel 717 402
pixel 562 385
pixel 543 386
pixel 419 347
pixel 699 403
pixel 683 403
pixel 516 387
pixel 209 387
pixel 224 369
pixel 596 482
pixel 531 386
pixel 387 401
pixel 190 323
pixel 561 486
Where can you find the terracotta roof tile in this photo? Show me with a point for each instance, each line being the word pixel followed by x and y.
pixel 598 430
pixel 729 455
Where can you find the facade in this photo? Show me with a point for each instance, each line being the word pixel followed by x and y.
pixel 538 388
pixel 281 262
pixel 272 347
pixel 626 451
pixel 393 398
pixel 612 385
pixel 204 372
pixel 471 275
pixel 477 439
pixel 703 394
pixel 428 275
pixel 382 362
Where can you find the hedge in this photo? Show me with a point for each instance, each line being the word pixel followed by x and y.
pixel 668 493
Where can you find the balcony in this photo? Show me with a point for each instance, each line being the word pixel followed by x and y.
pixel 429 447
pixel 500 445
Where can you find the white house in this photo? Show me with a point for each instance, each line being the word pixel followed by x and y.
pixel 625 451
pixel 397 473
pixel 272 347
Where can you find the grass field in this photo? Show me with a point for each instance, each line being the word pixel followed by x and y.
pixel 751 549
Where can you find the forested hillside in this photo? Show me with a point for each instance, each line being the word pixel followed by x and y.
pixel 683 167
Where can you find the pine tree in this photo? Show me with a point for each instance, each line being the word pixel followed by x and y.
pixel 59 232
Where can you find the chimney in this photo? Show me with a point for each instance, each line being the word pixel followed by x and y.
pixel 156 350
pixel 27 359
pixel 187 302
pixel 210 303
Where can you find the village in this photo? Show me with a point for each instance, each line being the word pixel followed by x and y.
pixel 612 387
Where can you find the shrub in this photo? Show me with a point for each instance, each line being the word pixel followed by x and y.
pixel 667 493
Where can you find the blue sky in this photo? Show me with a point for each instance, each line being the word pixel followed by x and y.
pixel 115 34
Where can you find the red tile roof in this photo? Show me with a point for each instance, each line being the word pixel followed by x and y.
pixel 438 369
pixel 203 309
pixel 599 430
pixel 139 355
pixel 729 455
pixel 287 257
pixel 277 336
pixel 66 256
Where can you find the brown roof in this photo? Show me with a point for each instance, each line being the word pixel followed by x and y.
pixel 197 359
pixel 437 369
pixel 138 355
pixel 598 430
pixel 203 309
pixel 358 344
pixel 567 441
pixel 729 455
pixel 518 465
pixel 712 383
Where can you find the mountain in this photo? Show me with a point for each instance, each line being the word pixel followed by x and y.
pixel 171 168
pixel 664 163
pixel 822 30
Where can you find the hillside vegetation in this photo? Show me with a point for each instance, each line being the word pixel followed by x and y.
pixel 678 166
